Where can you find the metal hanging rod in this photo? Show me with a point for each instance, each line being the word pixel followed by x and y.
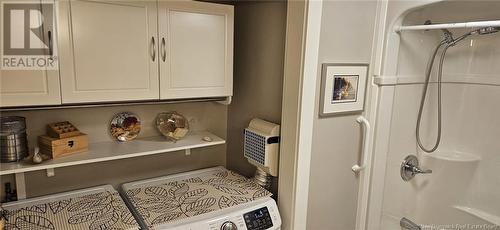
pixel 478 24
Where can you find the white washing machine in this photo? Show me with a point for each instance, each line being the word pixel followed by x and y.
pixel 92 208
pixel 208 199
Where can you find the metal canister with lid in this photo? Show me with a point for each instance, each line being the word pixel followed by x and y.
pixel 13 139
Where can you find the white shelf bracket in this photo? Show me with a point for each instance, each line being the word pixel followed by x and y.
pixel 227 101
pixel 20 186
pixel 188 152
pixel 50 172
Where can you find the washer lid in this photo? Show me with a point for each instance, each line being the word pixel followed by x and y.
pixel 202 192
pixel 93 208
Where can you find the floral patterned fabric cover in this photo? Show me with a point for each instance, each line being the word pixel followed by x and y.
pixel 197 194
pixel 102 210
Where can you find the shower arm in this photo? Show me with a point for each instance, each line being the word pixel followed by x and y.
pixel 475 25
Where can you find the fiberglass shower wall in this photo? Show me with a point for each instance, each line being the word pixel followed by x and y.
pixel 463 191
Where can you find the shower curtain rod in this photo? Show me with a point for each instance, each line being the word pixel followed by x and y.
pixel 478 24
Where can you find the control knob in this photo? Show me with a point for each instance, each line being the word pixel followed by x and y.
pixel 228 225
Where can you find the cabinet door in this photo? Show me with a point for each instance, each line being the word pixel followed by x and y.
pixel 32 87
pixel 29 88
pixel 109 51
pixel 196 49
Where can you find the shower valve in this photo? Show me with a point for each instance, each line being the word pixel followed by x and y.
pixel 410 168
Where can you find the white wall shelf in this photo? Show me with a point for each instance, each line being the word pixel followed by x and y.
pixel 108 151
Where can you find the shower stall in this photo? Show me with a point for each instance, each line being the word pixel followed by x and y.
pixel 459 119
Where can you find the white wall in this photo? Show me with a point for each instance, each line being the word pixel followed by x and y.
pixel 346 37
pixel 291 102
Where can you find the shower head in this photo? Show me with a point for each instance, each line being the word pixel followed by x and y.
pixel 481 31
pixel 488 30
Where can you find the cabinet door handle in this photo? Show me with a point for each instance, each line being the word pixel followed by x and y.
pixel 51 46
pixel 163 50
pixel 153 49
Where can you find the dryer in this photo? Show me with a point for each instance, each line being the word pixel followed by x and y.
pixel 213 198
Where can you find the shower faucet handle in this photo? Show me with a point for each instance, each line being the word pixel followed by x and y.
pixel 416 170
pixel 410 168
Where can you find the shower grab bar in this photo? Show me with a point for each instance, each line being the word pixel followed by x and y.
pixel 366 137
pixel 477 24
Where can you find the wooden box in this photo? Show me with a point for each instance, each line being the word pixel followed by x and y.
pixel 54 147
pixel 62 129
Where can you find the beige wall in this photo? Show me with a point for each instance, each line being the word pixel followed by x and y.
pixel 258 72
pixel 346 37
pixel 209 116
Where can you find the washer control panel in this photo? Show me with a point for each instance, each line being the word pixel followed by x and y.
pixel 258 219
pixel 260 214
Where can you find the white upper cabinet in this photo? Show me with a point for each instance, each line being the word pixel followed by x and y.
pixel 31 87
pixel 109 51
pixel 196 49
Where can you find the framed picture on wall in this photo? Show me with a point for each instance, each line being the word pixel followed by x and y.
pixel 343 88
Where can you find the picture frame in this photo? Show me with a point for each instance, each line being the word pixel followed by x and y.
pixel 343 88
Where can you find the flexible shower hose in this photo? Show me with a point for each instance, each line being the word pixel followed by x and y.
pixel 449 41
pixel 424 95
